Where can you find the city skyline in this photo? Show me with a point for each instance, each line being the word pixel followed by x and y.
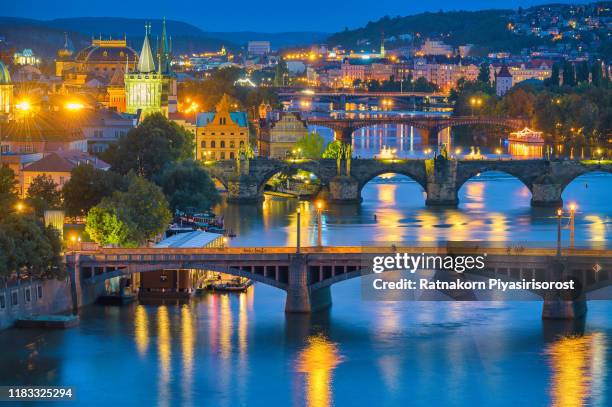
pixel 318 16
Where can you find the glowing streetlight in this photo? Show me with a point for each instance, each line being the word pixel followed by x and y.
pixel 19 207
pixel 319 206
pixel 24 106
pixel 74 106
pixel 498 152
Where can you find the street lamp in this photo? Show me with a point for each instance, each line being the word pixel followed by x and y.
pixel 559 214
pixel 19 207
pixel 572 209
pixel 319 205
pixel 498 152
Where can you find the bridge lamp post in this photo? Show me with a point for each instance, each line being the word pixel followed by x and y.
pixel 498 152
pixel 319 206
pixel 572 210
pixel 559 214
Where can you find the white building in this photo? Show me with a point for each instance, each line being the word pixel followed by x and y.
pixel 259 47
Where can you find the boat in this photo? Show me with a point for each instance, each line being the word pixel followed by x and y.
pixel 235 285
pixel 527 136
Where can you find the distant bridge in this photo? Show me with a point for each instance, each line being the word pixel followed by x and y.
pixel 440 179
pixel 307 275
pixel 428 125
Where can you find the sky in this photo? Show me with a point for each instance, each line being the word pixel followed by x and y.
pixel 252 15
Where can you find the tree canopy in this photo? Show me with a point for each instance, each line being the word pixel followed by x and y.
pixel 188 186
pixel 131 217
pixel 88 186
pixel 310 145
pixel 148 147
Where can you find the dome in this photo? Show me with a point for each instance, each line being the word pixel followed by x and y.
pixel 5 76
pixel 107 51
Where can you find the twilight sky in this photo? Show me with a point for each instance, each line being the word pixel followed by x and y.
pixel 252 15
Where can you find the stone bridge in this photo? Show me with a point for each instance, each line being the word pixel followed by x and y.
pixel 441 179
pixel 428 125
pixel 306 276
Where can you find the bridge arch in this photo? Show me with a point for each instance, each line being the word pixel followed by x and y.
pixel 364 181
pixel 585 170
pixel 265 177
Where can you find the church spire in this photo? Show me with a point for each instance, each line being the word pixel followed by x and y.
pixel 163 50
pixel 146 63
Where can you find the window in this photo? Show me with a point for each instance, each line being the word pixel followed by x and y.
pixel 231 155
pixel 2 302
pixel 242 144
pixel 39 291
pixel 27 294
pixel 213 144
pixel 232 144
pixel 203 144
pixel 222 156
pixel 213 155
pixel 14 298
pixel 222 143
pixel 62 181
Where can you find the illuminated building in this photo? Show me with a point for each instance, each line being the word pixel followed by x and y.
pixel 431 47
pixel 534 69
pixel 280 139
pixel 116 91
pixel 25 57
pixel 222 134
pixel 6 90
pixel 503 81
pixel 445 76
pixel 258 47
pixel 101 59
pixel 58 166
pixel 147 89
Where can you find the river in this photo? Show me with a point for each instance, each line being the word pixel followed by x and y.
pixel 230 350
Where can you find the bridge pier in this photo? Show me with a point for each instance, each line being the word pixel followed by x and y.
pixel 243 189
pixel 301 298
pixel 344 189
pixel 441 182
pixel 564 304
pixel 345 134
pixel 546 195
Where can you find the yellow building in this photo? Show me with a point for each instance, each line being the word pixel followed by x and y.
pixel 222 134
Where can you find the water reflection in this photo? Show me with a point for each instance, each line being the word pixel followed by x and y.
pixel 164 352
pixel 141 330
pixel 317 361
pixel 578 366
pixel 188 336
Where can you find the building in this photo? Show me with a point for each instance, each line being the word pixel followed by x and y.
pixel 58 166
pixel 100 59
pixel 6 91
pixel 503 81
pixel 431 47
pixel 222 134
pixel 42 133
pixel 104 127
pixel 149 89
pixel 259 48
pixel 280 138
pixel 25 57
pixel 445 76
pixel 535 69
pixel 116 91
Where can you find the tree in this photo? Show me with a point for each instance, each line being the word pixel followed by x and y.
pixel 30 246
pixel 311 146
pixel 141 213
pixel 569 75
pixel 334 149
pixel 147 148
pixel 44 193
pixel 88 186
pixel 8 187
pixel 187 185
pixel 554 76
pixel 483 74
pixel 422 85
pixel 104 227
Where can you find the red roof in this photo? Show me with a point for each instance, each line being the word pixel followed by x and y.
pixel 64 162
